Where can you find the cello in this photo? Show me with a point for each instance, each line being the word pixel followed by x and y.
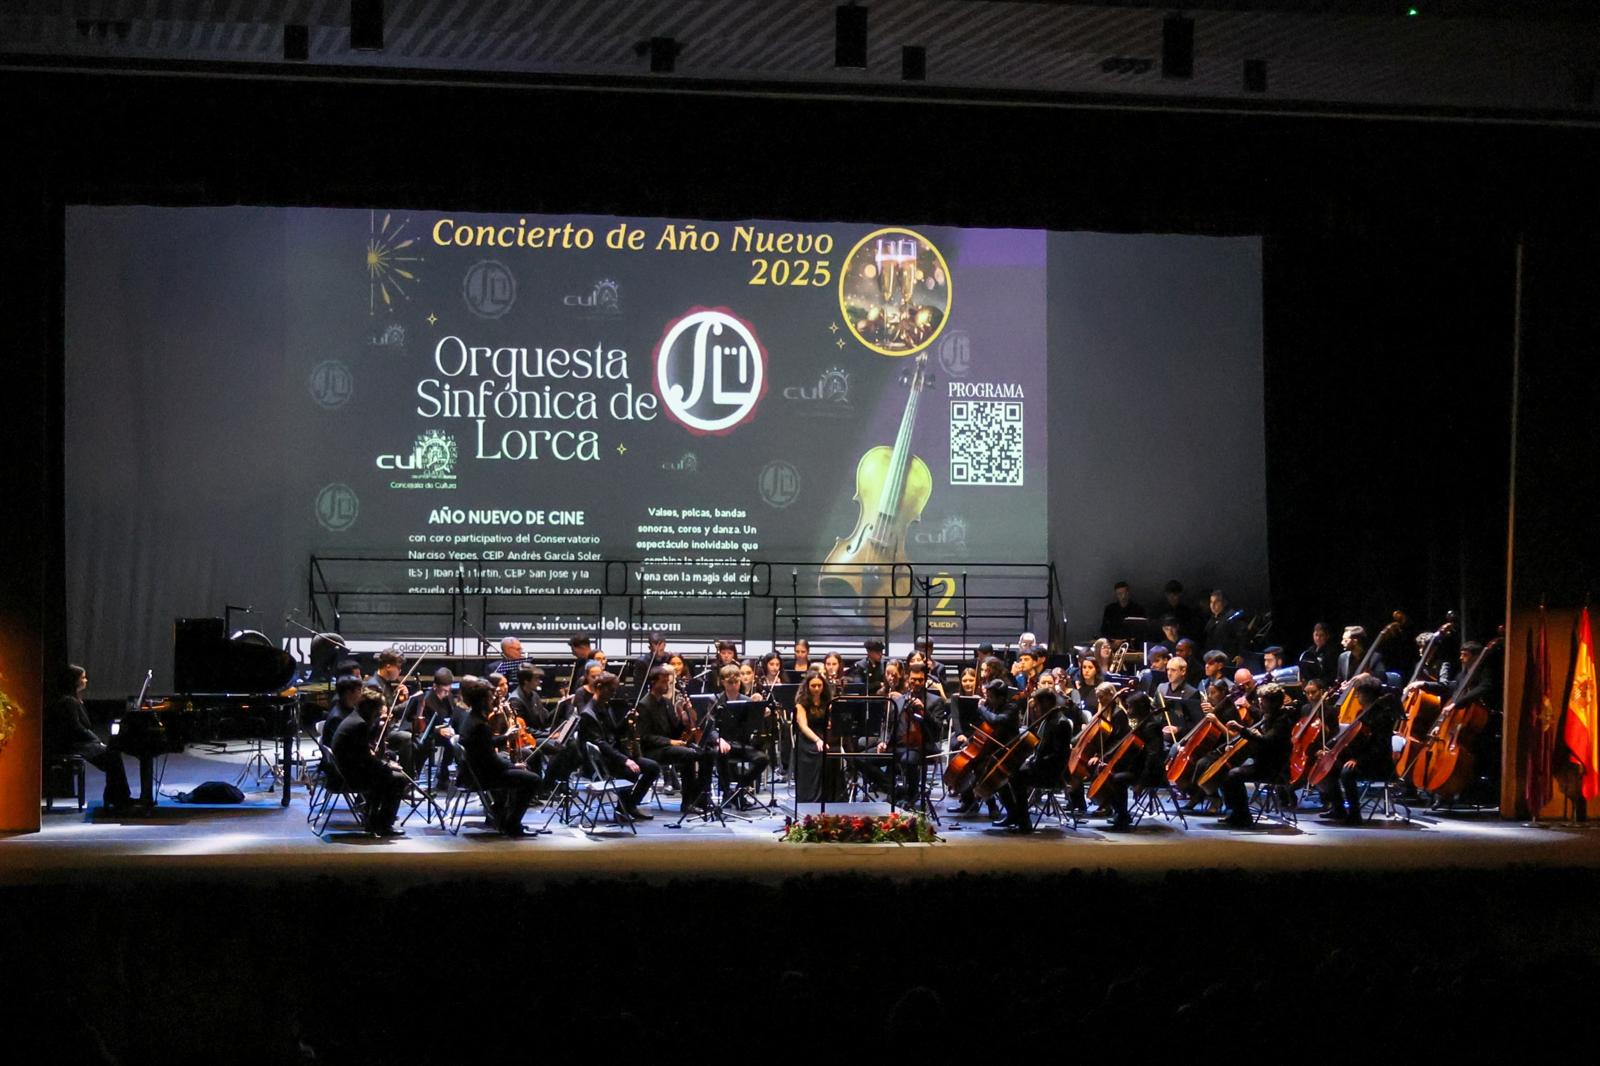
pixel 1011 758
pixel 1449 747
pixel 1307 732
pixel 1419 709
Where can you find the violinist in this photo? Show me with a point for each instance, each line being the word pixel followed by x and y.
pixel 387 682
pixel 728 753
pixel 667 737
pixel 1030 661
pixel 802 656
pixel 526 701
pixel 346 693
pixel 727 655
pixel 817 777
pixel 1047 765
pixel 1266 752
pixel 912 730
pixel 770 674
pixel 1081 692
pixel 833 671
pixel 1143 766
pixel 1371 755
pixel 749 686
pixel 493 771
pixel 654 655
pixel 610 729
pixel 894 677
pixel 382 783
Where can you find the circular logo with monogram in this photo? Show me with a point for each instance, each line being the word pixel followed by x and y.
pixel 710 370
pixel 895 291
pixel 955 353
pixel 779 483
pixel 332 384
pixel 337 507
pixel 489 289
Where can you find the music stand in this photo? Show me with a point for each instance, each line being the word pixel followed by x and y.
pixel 861 716
pixel 737 722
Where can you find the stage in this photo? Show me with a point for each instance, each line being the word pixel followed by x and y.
pixel 260 836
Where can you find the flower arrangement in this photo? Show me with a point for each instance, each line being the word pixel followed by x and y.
pixel 896 828
pixel 10 715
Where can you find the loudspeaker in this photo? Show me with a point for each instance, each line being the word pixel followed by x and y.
pixel 1177 47
pixel 913 63
pixel 850 37
pixel 194 648
pixel 366 25
pixel 296 42
pixel 1255 75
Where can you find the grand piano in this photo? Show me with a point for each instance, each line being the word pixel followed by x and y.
pixel 239 680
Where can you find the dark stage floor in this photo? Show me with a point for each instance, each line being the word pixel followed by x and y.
pixel 260 835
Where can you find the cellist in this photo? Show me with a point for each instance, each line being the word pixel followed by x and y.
pixel 1047 765
pixel 1001 711
pixel 1370 755
pixel 1266 752
pixel 1142 767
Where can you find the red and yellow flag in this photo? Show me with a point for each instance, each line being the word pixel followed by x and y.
pixel 1581 732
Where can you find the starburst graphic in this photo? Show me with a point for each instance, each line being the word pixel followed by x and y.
pixel 385 264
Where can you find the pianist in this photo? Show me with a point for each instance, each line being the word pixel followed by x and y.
pixel 67 732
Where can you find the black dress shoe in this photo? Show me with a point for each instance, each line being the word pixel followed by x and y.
pixel 1236 821
pixel 1120 825
pixel 1332 814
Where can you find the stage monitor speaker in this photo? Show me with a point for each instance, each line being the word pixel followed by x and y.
pixel 1255 75
pixel 850 37
pixel 913 63
pixel 1177 47
pixel 194 649
pixel 366 25
pixel 296 42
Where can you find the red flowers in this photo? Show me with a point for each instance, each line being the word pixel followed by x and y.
pixel 895 828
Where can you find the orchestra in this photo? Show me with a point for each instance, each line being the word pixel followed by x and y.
pixel 1322 728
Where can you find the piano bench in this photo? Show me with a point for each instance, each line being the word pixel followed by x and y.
pixel 64 777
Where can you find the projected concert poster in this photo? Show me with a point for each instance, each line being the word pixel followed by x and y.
pixel 525 388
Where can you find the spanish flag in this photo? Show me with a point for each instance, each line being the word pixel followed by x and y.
pixel 1581 732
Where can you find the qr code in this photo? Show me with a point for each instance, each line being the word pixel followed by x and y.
pixel 985 442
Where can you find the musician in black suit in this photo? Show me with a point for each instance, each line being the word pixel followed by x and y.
pixel 1155 670
pixel 610 731
pixel 382 783
pixel 491 770
pixel 935 667
pixel 67 732
pixel 664 737
pixel 869 668
pixel 1321 660
pixel 1114 619
pixel 1354 642
pixel 1266 752
pixel 388 682
pixel 1177 700
pixel 1225 627
pixel 1371 755
pixel 526 700
pixel 1046 766
pixel 435 708
pixel 1144 766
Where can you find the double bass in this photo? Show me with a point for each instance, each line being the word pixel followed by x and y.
pixel 1449 754
pixel 1347 710
pixel 1419 709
